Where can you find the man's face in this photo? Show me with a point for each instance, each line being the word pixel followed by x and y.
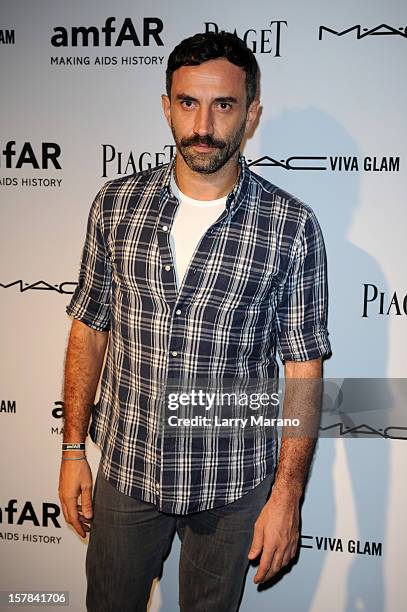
pixel 207 113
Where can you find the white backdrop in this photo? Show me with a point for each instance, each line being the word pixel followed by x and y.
pixel 332 132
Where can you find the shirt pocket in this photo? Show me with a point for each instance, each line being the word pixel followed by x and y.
pixel 136 259
pixel 239 283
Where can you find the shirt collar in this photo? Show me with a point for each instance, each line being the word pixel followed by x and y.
pixel 235 196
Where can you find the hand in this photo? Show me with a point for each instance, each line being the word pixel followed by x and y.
pixel 76 480
pixel 276 533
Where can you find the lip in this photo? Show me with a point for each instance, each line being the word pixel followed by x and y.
pixel 203 147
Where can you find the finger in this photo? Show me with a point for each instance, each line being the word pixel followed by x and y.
pixel 84 523
pixel 86 500
pixel 273 570
pixel 65 511
pixel 277 564
pixel 83 520
pixel 74 517
pixel 266 561
pixel 288 555
pixel 81 513
pixel 294 548
pixel 257 543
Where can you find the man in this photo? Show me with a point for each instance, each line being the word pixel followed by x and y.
pixel 199 268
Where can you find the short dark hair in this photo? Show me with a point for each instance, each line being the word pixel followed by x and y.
pixel 206 46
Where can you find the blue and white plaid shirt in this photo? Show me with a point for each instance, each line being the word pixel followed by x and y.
pixel 256 282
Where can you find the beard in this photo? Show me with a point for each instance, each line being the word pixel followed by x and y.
pixel 210 162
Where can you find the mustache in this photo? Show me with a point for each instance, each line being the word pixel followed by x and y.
pixel 204 140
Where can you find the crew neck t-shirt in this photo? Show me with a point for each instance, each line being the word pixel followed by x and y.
pixel 192 219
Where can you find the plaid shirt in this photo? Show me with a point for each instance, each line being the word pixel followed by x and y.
pixel 256 282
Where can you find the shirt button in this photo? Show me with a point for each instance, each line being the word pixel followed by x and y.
pixel 178 312
pixel 165 228
pixel 174 353
pixel 157 486
pixel 167 267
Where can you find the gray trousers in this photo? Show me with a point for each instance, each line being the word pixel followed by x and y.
pixel 130 538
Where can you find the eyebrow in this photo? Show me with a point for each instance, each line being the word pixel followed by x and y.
pixel 227 99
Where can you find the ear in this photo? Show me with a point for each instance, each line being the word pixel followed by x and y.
pixel 252 113
pixel 166 104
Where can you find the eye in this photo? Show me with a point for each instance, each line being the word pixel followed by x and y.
pixel 224 106
pixel 187 104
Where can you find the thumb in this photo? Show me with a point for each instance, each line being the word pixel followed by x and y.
pixel 257 543
pixel 86 502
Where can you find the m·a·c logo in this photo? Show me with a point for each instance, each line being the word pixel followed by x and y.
pixel 360 32
pixel 333 163
pixel 65 288
pixel 354 547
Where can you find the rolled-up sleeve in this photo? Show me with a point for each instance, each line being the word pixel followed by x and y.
pixel 90 302
pixel 303 305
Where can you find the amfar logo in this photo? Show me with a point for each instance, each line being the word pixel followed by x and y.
pixel 42 518
pixel 58 410
pixel 39 157
pixel 109 35
pixel 380 30
pixel 66 287
pixel 7 37
pixel 259 41
pixel 334 163
pixel 118 162
pixel 381 303
pixel 57 413
pixel 8 406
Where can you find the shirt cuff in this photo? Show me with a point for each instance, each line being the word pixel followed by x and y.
pixel 89 311
pixel 303 344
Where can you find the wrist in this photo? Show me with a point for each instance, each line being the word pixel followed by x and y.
pixel 291 490
pixel 73 446
pixel 73 451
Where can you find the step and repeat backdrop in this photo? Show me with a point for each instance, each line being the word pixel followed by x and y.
pixel 80 104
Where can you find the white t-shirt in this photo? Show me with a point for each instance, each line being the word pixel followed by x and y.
pixel 192 219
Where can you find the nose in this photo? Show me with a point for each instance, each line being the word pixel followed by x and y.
pixel 203 122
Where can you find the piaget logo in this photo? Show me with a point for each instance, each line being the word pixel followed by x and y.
pixel 376 302
pixel 115 162
pixel 265 40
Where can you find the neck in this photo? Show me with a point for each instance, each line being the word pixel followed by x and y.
pixel 206 186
